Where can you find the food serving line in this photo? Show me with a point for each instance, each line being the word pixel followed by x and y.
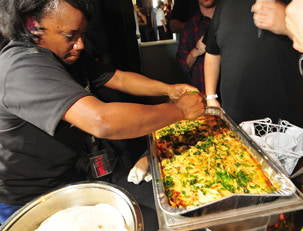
pixel 237 212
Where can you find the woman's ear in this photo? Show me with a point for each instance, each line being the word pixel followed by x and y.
pixel 32 25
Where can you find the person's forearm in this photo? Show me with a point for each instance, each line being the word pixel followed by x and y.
pixel 192 57
pixel 164 25
pixel 134 124
pixel 120 120
pixel 211 73
pixel 144 19
pixel 137 84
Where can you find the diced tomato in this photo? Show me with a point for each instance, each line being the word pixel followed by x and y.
pixel 282 217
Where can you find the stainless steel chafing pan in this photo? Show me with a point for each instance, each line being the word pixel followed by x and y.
pixel 270 169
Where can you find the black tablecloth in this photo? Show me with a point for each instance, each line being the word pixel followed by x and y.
pixel 142 193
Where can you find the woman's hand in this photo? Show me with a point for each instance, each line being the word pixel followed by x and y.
pixel 192 105
pixel 175 91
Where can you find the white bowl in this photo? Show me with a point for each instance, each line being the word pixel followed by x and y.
pixel 29 217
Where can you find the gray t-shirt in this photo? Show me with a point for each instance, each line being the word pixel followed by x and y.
pixel 36 89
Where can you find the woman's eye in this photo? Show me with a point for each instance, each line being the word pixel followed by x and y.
pixel 69 37
pixel 73 37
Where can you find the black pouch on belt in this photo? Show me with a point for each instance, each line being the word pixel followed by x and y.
pixel 100 161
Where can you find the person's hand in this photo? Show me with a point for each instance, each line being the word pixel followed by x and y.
pixel 270 15
pixel 175 91
pixel 213 103
pixel 200 46
pixel 294 23
pixel 192 105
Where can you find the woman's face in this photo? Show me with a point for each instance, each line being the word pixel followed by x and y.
pixel 63 32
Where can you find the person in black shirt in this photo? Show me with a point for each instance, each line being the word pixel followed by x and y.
pixel 271 15
pixel 191 49
pixel 294 12
pixel 44 87
pixel 259 74
pixel 294 25
pixel 182 11
pixel 288 21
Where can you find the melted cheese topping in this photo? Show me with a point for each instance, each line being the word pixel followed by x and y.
pixel 216 164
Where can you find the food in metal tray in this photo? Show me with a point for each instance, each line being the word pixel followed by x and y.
pixel 203 160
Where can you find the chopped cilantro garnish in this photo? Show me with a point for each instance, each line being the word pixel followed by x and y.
pixel 246 190
pixel 218 157
pixel 169 193
pixel 168 182
pixel 229 187
pixel 237 164
pixel 254 186
pixel 188 168
pixel 242 178
pixel 193 180
pixel 197 153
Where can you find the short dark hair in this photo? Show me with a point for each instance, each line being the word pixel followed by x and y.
pixel 160 3
pixel 13 15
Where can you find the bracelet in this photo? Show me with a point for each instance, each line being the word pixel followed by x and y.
pixel 214 96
